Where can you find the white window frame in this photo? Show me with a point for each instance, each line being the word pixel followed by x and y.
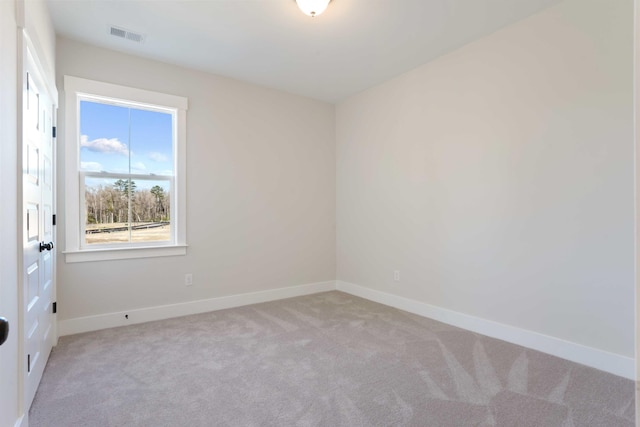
pixel 77 89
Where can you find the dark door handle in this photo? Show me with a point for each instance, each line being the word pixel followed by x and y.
pixel 46 246
pixel 4 330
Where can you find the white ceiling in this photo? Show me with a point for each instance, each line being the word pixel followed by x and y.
pixel 354 45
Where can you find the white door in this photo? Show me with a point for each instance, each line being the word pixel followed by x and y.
pixel 38 252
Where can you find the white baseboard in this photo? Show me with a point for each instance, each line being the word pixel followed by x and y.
pixel 609 362
pixel 111 320
pixel 22 421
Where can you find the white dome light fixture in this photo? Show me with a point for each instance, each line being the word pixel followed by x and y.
pixel 313 8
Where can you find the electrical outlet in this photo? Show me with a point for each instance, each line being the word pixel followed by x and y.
pixel 188 279
pixel 396 276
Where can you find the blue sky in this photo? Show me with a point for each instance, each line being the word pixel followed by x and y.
pixel 125 140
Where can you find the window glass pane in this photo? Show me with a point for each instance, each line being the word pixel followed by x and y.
pixel 151 142
pixel 122 210
pixel 106 210
pixel 104 137
pixel 151 211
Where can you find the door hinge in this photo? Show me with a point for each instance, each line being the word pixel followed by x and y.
pixel 55 307
pixel 53 219
pixel 28 363
pixel 53 132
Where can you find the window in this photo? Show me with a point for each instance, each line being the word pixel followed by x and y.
pixel 125 166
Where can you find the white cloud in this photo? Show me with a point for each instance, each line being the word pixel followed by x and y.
pixel 91 166
pixel 104 145
pixel 138 167
pixel 158 157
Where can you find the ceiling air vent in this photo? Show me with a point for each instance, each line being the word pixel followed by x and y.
pixel 126 34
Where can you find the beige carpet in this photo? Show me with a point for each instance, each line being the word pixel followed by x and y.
pixel 329 359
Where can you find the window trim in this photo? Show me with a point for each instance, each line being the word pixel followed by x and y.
pixel 76 88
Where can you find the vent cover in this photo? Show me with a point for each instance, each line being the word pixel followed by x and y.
pixel 126 34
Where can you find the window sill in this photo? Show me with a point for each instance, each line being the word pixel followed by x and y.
pixel 109 254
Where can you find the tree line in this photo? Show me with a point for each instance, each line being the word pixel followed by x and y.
pixel 110 204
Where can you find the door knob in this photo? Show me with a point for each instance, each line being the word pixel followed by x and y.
pixel 46 246
pixel 4 330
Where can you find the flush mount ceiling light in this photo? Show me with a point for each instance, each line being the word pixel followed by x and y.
pixel 313 7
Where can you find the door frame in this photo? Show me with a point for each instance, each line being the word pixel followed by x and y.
pixel 9 414
pixel 636 171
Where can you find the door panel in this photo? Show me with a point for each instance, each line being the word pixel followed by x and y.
pixel 37 186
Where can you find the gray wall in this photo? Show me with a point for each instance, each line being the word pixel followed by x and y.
pixel 499 179
pixel 260 191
